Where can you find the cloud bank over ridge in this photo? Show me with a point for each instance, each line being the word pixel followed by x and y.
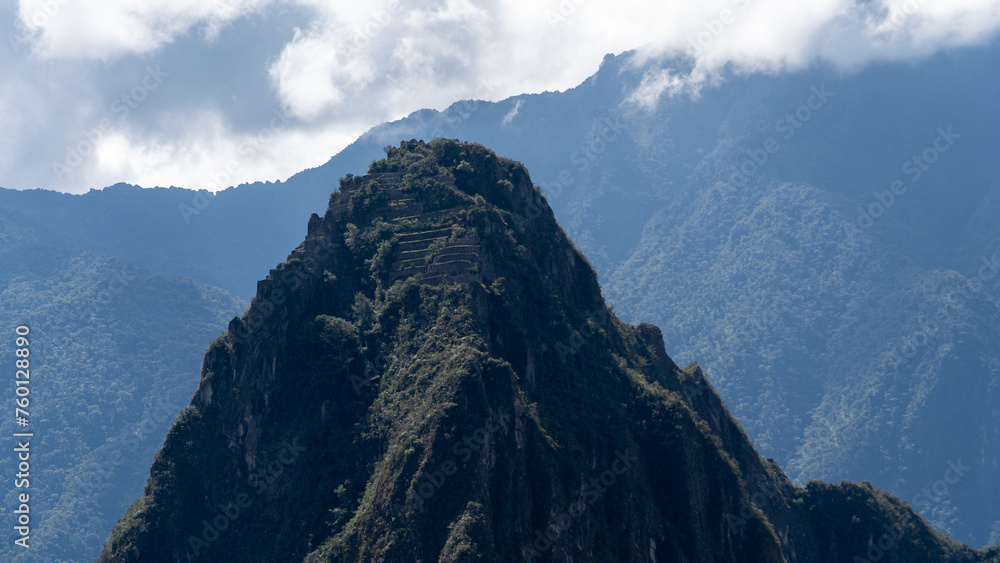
pixel 245 90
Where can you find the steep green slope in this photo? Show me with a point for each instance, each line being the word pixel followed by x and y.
pixel 112 351
pixel 433 376
pixel 869 356
pixel 846 357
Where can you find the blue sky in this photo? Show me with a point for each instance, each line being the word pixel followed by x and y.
pixel 161 92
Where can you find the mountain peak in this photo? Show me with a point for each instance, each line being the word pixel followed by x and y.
pixel 449 212
pixel 433 376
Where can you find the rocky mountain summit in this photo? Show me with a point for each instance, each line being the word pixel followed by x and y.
pixel 433 375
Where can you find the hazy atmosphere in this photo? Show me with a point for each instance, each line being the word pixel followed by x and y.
pixel 207 94
pixel 535 282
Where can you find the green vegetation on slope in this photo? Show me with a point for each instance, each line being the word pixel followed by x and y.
pixel 433 376
pixel 113 351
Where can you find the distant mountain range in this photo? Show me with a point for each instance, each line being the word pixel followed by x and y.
pixel 115 352
pixel 823 244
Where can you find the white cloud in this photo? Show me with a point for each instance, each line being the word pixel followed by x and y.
pixel 430 54
pixel 512 113
pixel 313 72
pixel 213 156
pixel 657 82
pixel 347 66
pixel 379 57
pixel 104 29
pixel 783 35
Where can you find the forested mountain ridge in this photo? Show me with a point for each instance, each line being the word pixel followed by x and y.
pixel 433 375
pixel 112 353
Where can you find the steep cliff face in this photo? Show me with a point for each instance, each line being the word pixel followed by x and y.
pixel 433 375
